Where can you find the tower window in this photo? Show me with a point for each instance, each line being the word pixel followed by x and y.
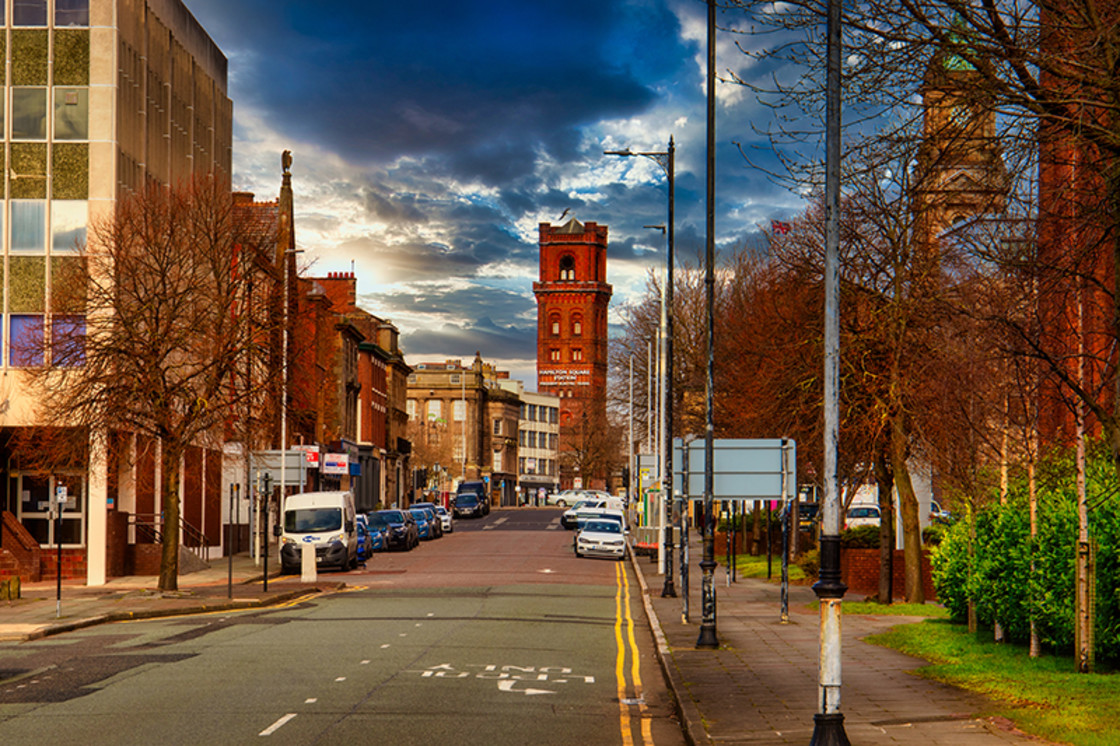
pixel 554 326
pixel 554 355
pixel 567 267
pixel 577 326
pixel 577 355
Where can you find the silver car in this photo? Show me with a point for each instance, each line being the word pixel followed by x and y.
pixel 601 538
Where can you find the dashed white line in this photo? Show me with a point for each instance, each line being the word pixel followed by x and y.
pixel 364 663
pixel 385 646
pixel 277 725
pixel 340 678
pixel 310 700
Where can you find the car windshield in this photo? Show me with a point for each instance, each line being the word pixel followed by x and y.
pixel 863 513
pixel 389 516
pixel 422 515
pixel 467 499
pixel 603 527
pixel 312 520
pixel 441 510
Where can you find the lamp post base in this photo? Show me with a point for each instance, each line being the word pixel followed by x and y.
pixel 828 730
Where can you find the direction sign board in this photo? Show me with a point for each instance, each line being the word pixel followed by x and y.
pixel 744 469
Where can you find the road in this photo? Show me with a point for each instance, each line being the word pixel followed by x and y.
pixel 495 634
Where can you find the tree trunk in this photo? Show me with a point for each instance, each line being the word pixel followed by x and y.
pixel 884 480
pixel 169 562
pixel 908 507
pixel 756 529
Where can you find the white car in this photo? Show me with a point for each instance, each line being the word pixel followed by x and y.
pixel 571 517
pixel 445 519
pixel 601 537
pixel 862 515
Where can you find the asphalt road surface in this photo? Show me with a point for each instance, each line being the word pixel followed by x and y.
pixel 494 634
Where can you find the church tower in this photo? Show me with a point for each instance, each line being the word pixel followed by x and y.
pixel 572 300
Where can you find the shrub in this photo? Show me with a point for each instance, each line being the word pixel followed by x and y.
pixel 860 537
pixel 988 556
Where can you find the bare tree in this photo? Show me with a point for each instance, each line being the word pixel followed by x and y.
pixel 165 337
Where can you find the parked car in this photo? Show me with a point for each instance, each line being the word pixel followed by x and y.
pixel 938 515
pixel 571 517
pixel 446 518
pixel 862 515
pixel 443 519
pixel 562 499
pixel 399 525
pixel 378 538
pixel 365 539
pixel 467 505
pixel 601 537
pixel 424 520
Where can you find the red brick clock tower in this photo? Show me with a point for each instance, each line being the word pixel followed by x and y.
pixel 572 299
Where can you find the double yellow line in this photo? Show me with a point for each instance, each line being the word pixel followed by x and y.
pixel 622 611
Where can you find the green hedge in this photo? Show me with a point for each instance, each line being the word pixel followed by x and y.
pixel 997 575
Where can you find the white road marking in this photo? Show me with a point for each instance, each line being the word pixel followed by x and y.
pixel 385 646
pixel 495 524
pixel 340 678
pixel 506 685
pixel 364 663
pixel 310 700
pixel 277 725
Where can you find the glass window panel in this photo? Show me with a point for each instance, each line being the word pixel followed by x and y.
pixel 71 113
pixel 29 225
pixel 29 12
pixel 71 12
pixel 68 224
pixel 460 410
pixel 68 341
pixel 29 113
pixel 26 349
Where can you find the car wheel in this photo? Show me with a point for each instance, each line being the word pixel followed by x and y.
pixel 561 504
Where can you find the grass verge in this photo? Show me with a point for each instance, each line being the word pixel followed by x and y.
pixel 1042 696
pixel 749 566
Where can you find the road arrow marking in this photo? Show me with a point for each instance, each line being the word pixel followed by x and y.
pixel 506 685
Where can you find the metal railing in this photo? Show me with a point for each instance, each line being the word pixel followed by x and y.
pixel 150 527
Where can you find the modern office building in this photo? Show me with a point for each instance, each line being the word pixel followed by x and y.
pixel 102 97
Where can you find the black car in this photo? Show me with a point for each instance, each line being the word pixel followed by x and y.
pixel 467 505
pixel 478 489
pixel 399 526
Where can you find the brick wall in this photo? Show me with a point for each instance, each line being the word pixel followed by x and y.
pixel 859 569
pixel 73 563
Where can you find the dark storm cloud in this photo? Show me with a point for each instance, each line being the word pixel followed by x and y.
pixel 481 84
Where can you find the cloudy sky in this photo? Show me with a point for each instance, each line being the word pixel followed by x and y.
pixel 431 138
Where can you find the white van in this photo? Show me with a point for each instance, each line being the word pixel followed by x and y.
pixel 325 520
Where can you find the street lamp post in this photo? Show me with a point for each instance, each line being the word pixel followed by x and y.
pixel 828 723
pixel 707 637
pixel 667 160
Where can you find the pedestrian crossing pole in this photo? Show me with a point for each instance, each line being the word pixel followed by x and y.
pixel 828 723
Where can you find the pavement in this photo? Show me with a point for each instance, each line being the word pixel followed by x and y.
pixel 40 612
pixel 761 685
pixel 758 687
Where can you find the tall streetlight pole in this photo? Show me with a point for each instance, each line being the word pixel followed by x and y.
pixel 828 724
pixel 707 637
pixel 667 160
